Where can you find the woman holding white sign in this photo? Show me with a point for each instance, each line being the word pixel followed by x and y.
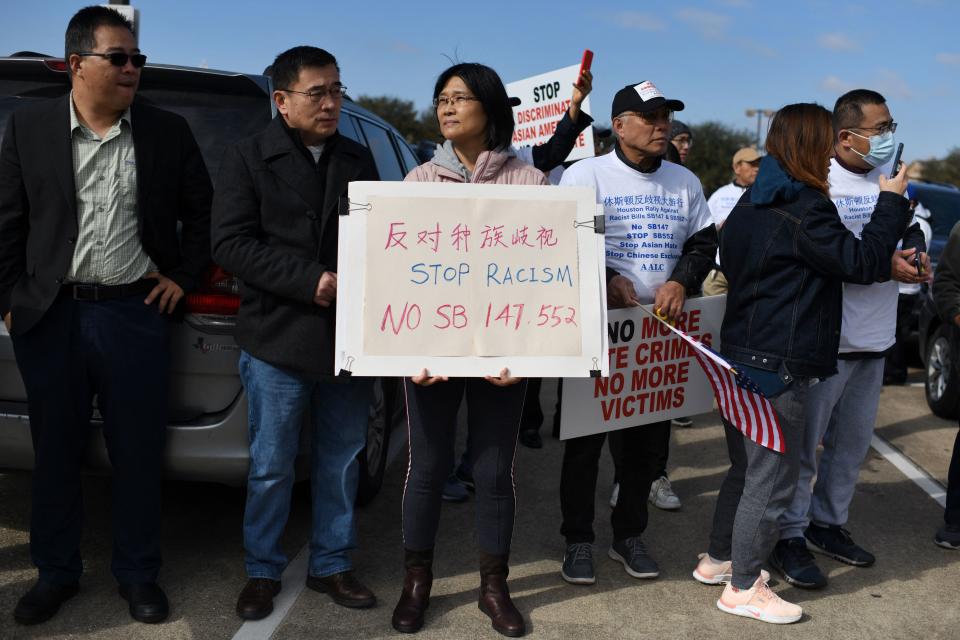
pixel 476 121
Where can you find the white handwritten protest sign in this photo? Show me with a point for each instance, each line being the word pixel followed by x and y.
pixel 466 279
pixel 654 375
pixel 543 101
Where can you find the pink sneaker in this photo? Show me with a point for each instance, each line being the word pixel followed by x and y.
pixel 758 602
pixel 710 571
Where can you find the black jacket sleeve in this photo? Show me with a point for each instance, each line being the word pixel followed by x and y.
pixel 238 243
pixel 553 152
pixel 913 238
pixel 194 202
pixel 14 213
pixel 696 259
pixel 828 247
pixel 946 280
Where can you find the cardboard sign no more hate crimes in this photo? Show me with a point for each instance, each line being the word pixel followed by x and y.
pixel 654 374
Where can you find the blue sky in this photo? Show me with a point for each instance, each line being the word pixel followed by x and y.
pixel 718 56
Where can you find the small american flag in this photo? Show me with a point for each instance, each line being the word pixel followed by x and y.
pixel 740 400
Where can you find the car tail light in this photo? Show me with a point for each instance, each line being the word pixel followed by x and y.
pixel 219 294
pixel 56 64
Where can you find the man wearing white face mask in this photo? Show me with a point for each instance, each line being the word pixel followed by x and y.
pixel 841 409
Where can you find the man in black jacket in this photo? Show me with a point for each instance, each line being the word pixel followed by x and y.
pixel 92 188
pixel 946 295
pixel 275 222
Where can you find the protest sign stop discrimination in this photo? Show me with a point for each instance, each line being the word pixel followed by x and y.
pixel 544 99
pixel 654 375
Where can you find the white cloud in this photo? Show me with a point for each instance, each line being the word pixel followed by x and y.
pixel 833 84
pixel 735 4
pixel 714 26
pixel 757 48
pixel 948 58
pixel 890 84
pixel 637 20
pixel 886 81
pixel 709 24
pixel 837 42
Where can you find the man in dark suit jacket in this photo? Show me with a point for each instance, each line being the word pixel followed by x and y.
pixel 92 188
pixel 275 223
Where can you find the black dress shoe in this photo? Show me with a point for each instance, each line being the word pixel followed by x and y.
pixel 147 601
pixel 256 599
pixel 344 589
pixel 42 601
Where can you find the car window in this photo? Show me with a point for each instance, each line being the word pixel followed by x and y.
pixel 944 206
pixel 16 94
pixel 217 120
pixel 378 140
pixel 410 160
pixel 348 128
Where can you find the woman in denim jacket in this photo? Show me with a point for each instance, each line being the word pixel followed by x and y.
pixel 786 254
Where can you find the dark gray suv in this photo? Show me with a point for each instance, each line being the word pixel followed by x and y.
pixel 207 434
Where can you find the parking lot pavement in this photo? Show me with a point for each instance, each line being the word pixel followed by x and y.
pixel 909 593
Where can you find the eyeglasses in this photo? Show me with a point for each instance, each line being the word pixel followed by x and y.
pixel 118 58
pixel 455 101
pixel 886 127
pixel 336 92
pixel 655 117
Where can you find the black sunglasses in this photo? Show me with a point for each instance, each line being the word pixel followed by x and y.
pixel 118 58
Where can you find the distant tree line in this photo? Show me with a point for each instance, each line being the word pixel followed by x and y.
pixel 403 115
pixel 944 169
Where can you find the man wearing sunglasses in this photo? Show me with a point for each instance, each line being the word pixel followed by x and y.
pixel 92 191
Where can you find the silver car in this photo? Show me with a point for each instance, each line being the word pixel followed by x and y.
pixel 207 434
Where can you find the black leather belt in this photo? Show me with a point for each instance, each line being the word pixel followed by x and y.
pixel 99 292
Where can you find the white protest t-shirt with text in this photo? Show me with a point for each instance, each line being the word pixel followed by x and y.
pixel 649 216
pixel 869 311
pixel 723 200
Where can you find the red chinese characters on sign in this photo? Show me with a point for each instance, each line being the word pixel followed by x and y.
pixel 491 237
pixel 430 238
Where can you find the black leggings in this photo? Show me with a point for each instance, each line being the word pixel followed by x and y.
pixel 952 513
pixel 493 420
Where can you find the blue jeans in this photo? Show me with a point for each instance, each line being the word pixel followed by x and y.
pixel 280 401
pixel 841 412
pixel 769 480
pixel 118 350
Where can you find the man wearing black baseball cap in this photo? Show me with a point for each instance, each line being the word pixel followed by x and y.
pixel 635 186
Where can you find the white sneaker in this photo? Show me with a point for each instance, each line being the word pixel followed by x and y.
pixel 681 422
pixel 662 495
pixel 758 602
pixel 615 495
pixel 710 571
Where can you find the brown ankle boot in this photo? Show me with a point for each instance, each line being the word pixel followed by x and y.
pixel 415 597
pixel 495 597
